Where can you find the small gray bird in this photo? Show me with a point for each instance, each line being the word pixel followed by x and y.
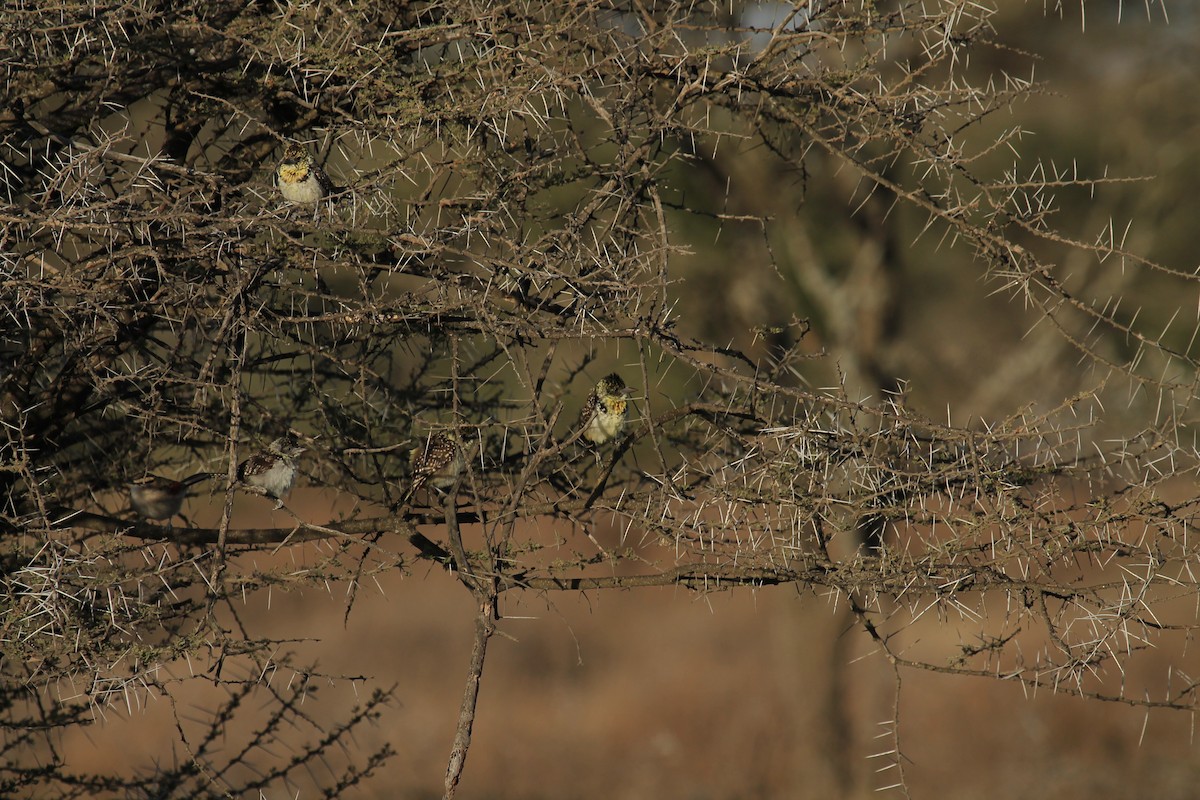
pixel 274 469
pixel 299 178
pixel 156 497
pixel 437 462
pixel 606 410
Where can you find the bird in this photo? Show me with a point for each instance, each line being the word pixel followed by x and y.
pixel 606 410
pixel 156 497
pixel 299 178
pixel 273 470
pixel 437 462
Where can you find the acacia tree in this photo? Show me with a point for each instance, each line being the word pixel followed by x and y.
pixel 528 199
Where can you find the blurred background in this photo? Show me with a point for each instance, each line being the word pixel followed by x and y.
pixel 660 692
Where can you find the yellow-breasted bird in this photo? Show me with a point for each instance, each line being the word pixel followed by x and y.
pixel 606 410
pixel 300 178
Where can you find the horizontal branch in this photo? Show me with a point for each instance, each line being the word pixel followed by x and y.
pixel 693 576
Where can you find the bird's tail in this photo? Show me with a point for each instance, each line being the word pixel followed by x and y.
pixel 192 480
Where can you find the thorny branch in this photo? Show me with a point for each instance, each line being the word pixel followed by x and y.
pixel 530 199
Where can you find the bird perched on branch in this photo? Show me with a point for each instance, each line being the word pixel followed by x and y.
pixel 606 410
pixel 299 178
pixel 274 469
pixel 156 497
pixel 437 462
